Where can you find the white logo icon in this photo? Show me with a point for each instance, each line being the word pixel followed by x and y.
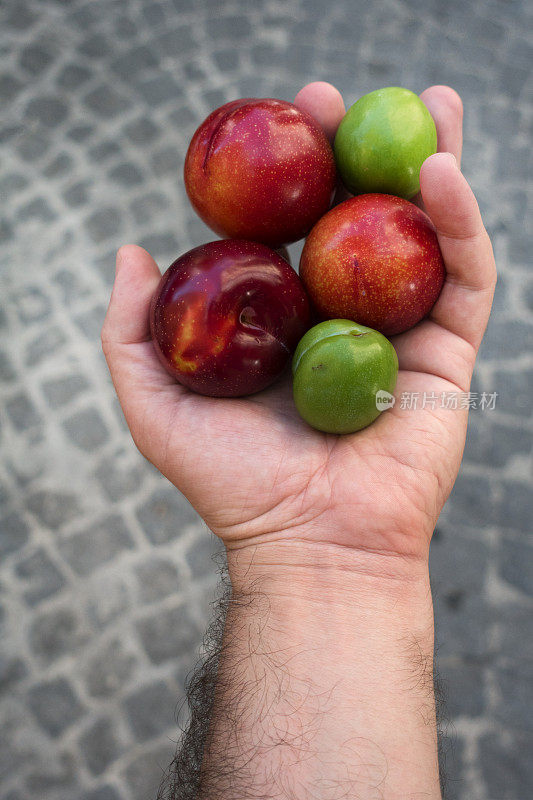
pixel 384 400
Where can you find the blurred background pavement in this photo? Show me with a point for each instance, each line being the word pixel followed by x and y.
pixel 105 571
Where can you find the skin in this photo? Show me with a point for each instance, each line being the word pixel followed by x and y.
pixel 383 141
pixel 260 170
pixel 338 368
pixel 374 258
pixel 335 530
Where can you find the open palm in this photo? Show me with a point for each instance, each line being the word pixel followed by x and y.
pixel 251 467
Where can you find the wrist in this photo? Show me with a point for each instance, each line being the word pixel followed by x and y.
pixel 315 591
pixel 352 634
pixel 326 571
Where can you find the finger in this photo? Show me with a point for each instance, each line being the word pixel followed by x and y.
pixel 446 108
pixel 466 298
pixel 136 279
pixel 126 342
pixel 446 343
pixel 432 349
pixel 323 102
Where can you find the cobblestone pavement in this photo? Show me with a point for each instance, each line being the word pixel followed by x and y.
pixel 105 577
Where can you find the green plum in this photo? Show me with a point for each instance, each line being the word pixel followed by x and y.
pixel 382 142
pixel 338 369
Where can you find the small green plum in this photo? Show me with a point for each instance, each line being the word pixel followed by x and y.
pixel 343 376
pixel 382 142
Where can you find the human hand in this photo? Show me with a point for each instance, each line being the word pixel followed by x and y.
pixel 253 470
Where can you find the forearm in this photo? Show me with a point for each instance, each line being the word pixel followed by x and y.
pixel 325 681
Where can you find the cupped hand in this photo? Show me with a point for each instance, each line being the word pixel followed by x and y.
pixel 251 467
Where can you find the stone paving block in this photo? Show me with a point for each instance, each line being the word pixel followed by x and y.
pixel 506 765
pixel 100 746
pixel 96 45
pixel 103 224
pixel 142 131
pixel 54 705
pixel 11 671
pixel 148 207
pixel 166 160
pixel 49 342
pixel 177 39
pixel 515 634
pixel 54 777
pixel 14 533
pixel 109 597
pixel 118 477
pixel 515 696
pixel 160 243
pixel 105 792
pixel 472 501
pixel 53 509
pixel 90 322
pixel 99 543
pixel 145 770
pixel 157 579
pixel 49 111
pixel 164 514
pixel 106 102
pixel 466 693
pixel 61 390
pixel 232 28
pixel 126 174
pixel 59 166
pixel 32 305
pixel 72 76
pixel 56 633
pixel 32 145
pixel 109 669
pixel 11 184
pixel 9 88
pixel 515 506
pixel 168 634
pixel 73 288
pixel 514 390
pixel 200 556
pixel 102 152
pixel 489 442
pixel 506 338
pixel 462 627
pixel 86 429
pixel 7 371
pixel 17 747
pixel 132 61
pixel 516 564
pixel 35 59
pixel 151 710
pixel 78 194
pixel 36 210
pixel 80 133
pixel 158 90
pixel 22 412
pixel 39 575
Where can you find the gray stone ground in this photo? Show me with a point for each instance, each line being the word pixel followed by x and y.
pixel 105 577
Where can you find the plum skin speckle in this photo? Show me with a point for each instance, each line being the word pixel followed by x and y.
pixel 375 259
pixel 260 169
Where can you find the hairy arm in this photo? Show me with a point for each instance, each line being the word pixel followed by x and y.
pixel 324 686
